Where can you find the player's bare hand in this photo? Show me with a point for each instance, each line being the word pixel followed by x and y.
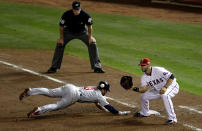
pixel 124 112
pixel 163 90
pixel 92 40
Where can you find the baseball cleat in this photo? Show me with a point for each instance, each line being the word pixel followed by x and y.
pixel 33 113
pixel 137 114
pixel 52 70
pixel 99 70
pixel 171 122
pixel 24 94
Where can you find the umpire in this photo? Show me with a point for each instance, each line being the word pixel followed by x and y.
pixel 72 26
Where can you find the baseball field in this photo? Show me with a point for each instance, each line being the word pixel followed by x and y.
pixel 170 37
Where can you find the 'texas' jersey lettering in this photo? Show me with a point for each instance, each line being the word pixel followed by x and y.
pixel 157 79
pixel 155 82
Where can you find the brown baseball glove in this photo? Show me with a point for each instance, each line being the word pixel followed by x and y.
pixel 126 82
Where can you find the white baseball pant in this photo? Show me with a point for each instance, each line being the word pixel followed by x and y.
pixel 69 94
pixel 152 94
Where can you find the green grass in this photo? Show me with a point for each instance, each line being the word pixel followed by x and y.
pixel 122 40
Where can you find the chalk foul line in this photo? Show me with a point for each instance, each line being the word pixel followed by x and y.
pixel 110 98
pixel 190 109
pixel 58 81
pixel 192 127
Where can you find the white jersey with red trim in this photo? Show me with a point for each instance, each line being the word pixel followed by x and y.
pixel 92 94
pixel 69 95
pixel 158 78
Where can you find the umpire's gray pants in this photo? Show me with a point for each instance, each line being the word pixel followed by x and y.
pixel 92 50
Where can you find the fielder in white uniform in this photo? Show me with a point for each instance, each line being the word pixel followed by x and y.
pixel 156 83
pixel 71 94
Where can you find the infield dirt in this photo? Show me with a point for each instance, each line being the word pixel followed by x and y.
pixel 77 71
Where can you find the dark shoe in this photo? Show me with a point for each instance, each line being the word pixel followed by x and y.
pixel 99 70
pixel 170 122
pixel 137 114
pixel 52 70
pixel 24 94
pixel 33 113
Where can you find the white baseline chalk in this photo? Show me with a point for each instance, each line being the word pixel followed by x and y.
pixel 190 109
pixel 123 103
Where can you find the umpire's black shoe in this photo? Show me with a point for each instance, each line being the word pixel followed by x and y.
pixel 52 70
pixel 99 70
pixel 137 114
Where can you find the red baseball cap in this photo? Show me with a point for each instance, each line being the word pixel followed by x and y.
pixel 145 61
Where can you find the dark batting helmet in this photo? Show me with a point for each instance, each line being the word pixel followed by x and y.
pixel 103 85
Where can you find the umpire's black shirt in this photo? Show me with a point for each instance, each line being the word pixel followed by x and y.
pixel 75 23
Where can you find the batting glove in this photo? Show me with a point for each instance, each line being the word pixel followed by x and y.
pixel 124 112
pixel 136 89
